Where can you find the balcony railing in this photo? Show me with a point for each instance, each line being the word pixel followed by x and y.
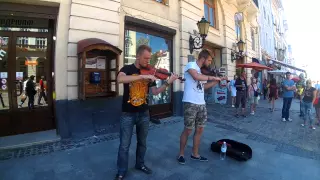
pixel 256 2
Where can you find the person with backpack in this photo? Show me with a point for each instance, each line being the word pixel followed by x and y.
pixel 253 92
pixel 31 91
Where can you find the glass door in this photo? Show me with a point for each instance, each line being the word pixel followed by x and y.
pixel 31 62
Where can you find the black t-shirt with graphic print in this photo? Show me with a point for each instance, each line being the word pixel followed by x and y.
pixel 308 94
pixel 240 81
pixel 127 106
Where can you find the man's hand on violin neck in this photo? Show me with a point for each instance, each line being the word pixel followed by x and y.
pixel 172 78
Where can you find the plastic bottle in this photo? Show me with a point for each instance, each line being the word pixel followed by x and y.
pixel 223 151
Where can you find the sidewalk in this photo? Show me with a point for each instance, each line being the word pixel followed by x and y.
pixel 95 157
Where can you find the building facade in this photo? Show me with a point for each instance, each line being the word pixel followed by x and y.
pixel 266 30
pixel 70 44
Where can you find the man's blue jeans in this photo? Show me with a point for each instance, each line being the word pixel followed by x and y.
pixel 307 108
pixel 127 122
pixel 286 107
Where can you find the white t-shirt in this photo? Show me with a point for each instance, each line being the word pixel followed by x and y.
pixel 193 89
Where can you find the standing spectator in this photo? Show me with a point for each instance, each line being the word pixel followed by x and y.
pixel 265 88
pixel 307 99
pixel 241 97
pixel 253 92
pixel 288 94
pixel 317 103
pixel 233 90
pixel 273 93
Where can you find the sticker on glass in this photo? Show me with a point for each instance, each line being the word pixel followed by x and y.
pixel 3 75
pixel 4 87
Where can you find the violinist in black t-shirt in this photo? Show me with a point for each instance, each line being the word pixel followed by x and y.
pixel 135 109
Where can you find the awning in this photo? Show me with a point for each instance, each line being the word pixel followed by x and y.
pixel 289 66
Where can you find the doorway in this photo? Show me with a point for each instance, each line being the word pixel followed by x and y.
pixel 22 55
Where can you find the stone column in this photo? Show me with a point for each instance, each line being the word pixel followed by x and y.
pixel 60 66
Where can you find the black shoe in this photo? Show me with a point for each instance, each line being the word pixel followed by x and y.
pixel 119 177
pixel 155 120
pixel 243 115
pixel 200 158
pixel 181 160
pixel 145 169
pixel 237 115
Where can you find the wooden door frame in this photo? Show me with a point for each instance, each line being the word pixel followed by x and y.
pixel 9 79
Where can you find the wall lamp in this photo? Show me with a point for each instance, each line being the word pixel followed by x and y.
pixel 197 42
pixel 238 51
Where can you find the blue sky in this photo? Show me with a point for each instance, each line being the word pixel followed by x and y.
pixel 303 34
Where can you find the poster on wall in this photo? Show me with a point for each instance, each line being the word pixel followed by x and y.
pixel 3 75
pixel 91 63
pixel 221 95
pixel 19 76
pixel 101 62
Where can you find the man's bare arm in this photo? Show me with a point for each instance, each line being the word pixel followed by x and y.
pixel 123 78
pixel 210 84
pixel 200 77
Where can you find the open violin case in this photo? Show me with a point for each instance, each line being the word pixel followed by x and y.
pixel 235 149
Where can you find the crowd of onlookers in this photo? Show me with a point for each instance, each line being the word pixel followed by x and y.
pixel 242 93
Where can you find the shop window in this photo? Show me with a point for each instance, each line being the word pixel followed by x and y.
pixel 210 12
pixel 165 2
pixel 161 57
pixel 238 30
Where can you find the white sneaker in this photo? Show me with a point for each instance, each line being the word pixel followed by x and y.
pixel 289 119
pixel 232 105
pixel 284 119
pixel 252 113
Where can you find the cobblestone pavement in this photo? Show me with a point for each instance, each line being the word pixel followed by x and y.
pixel 95 157
pixel 265 124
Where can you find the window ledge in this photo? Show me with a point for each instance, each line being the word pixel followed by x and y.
pixel 214 31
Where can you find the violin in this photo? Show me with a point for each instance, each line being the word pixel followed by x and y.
pixel 160 73
pixel 211 72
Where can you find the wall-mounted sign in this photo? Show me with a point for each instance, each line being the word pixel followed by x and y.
pixel 3 75
pixel 4 87
pixel 10 21
pixel 30 63
pixel 19 76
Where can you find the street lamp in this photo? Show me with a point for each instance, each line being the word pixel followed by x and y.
pixel 237 55
pixel 198 42
pixel 240 45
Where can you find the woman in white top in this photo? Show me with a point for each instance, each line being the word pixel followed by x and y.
pixel 233 89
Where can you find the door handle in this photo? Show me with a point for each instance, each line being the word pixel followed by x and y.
pixel 20 88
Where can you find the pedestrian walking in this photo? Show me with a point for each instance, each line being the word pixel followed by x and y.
pixel 307 99
pixel 253 92
pixel 273 93
pixel 195 112
pixel 241 97
pixel 135 110
pixel 265 88
pixel 31 91
pixel 233 90
pixel 288 93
